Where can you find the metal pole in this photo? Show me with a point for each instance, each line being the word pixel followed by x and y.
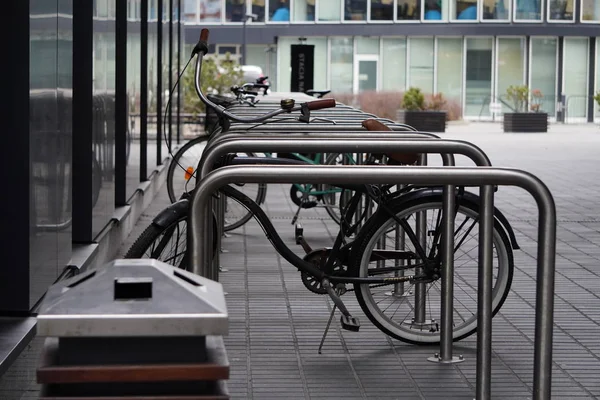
pixel 484 294
pixel 420 289
pixel 447 276
pixel 243 61
pixel 544 311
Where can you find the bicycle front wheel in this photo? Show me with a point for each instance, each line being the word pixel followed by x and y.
pixel 410 312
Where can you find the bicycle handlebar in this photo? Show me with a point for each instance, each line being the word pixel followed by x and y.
pixel 287 105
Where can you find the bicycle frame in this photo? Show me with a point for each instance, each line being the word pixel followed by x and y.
pixel 339 251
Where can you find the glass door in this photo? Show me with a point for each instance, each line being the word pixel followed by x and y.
pixel 365 73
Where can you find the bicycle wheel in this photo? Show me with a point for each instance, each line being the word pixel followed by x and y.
pixel 167 244
pixel 185 160
pixel 392 308
pixel 181 178
pixel 337 199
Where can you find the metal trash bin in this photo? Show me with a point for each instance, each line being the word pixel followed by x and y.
pixel 134 328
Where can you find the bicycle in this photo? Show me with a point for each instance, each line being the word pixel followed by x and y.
pixel 397 239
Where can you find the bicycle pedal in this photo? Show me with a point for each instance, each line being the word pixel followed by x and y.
pixel 350 323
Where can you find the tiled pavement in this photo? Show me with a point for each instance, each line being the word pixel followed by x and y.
pixel 276 324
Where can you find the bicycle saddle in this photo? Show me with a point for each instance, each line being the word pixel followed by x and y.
pixel 394 158
pixel 318 93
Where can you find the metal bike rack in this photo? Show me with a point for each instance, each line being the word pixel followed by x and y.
pixel 484 177
pixel 350 143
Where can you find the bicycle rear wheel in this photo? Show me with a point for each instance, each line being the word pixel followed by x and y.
pixel 181 178
pixel 411 312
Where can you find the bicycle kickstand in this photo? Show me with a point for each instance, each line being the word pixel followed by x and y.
pixel 327 328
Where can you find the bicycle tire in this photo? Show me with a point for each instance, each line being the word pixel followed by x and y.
pixel 154 232
pixel 236 216
pixel 406 329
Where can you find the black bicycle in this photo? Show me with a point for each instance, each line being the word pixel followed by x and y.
pixel 392 263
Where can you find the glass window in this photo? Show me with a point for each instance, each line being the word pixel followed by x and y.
pixel 408 10
pixel 420 73
pixel 279 10
pixel 365 45
pixel 329 10
pixel 528 10
pixel 382 10
pixel 496 9
pixel 342 59
pixel 210 10
pixel 258 8
pixel 235 10
pixel 355 10
pixel 464 10
pixel 590 10
pixel 304 10
pixel 561 10
pixel 575 87
pixel 511 56
pixel 478 76
pixel 393 66
pixel 543 71
pixel 435 10
pixel 449 68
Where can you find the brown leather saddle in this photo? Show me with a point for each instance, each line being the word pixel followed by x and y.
pixel 394 158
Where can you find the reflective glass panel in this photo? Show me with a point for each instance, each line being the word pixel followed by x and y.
pixel 478 71
pixel 496 9
pixel 342 59
pixel 421 64
pixel 543 71
pixel 409 10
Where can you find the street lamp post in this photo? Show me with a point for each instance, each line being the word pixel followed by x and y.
pixel 246 18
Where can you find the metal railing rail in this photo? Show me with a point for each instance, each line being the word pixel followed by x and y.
pixel 484 177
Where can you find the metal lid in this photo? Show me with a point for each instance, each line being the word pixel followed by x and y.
pixel 134 298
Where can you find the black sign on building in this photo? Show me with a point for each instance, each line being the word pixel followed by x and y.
pixel 303 57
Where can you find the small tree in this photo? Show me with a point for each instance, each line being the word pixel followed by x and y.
pixel 519 96
pixel 413 100
pixel 217 78
pixel 437 102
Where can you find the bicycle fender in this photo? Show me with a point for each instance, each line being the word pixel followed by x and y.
pixel 177 210
pixel 475 200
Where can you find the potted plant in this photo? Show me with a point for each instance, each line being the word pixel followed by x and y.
pixel 527 115
pixel 425 116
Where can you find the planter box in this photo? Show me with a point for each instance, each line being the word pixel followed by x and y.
pixel 525 122
pixel 424 121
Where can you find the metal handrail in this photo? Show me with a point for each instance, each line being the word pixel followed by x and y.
pixel 480 176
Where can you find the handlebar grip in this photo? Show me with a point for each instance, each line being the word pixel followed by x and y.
pixel 319 104
pixel 204 35
pixel 374 125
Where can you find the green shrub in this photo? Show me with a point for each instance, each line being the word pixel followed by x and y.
pixel 216 78
pixel 413 100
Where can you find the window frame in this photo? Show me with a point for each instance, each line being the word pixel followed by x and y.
pixel 529 21
pixel 582 21
pixel 495 21
pixel 408 21
pixel 561 21
pixel 451 10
